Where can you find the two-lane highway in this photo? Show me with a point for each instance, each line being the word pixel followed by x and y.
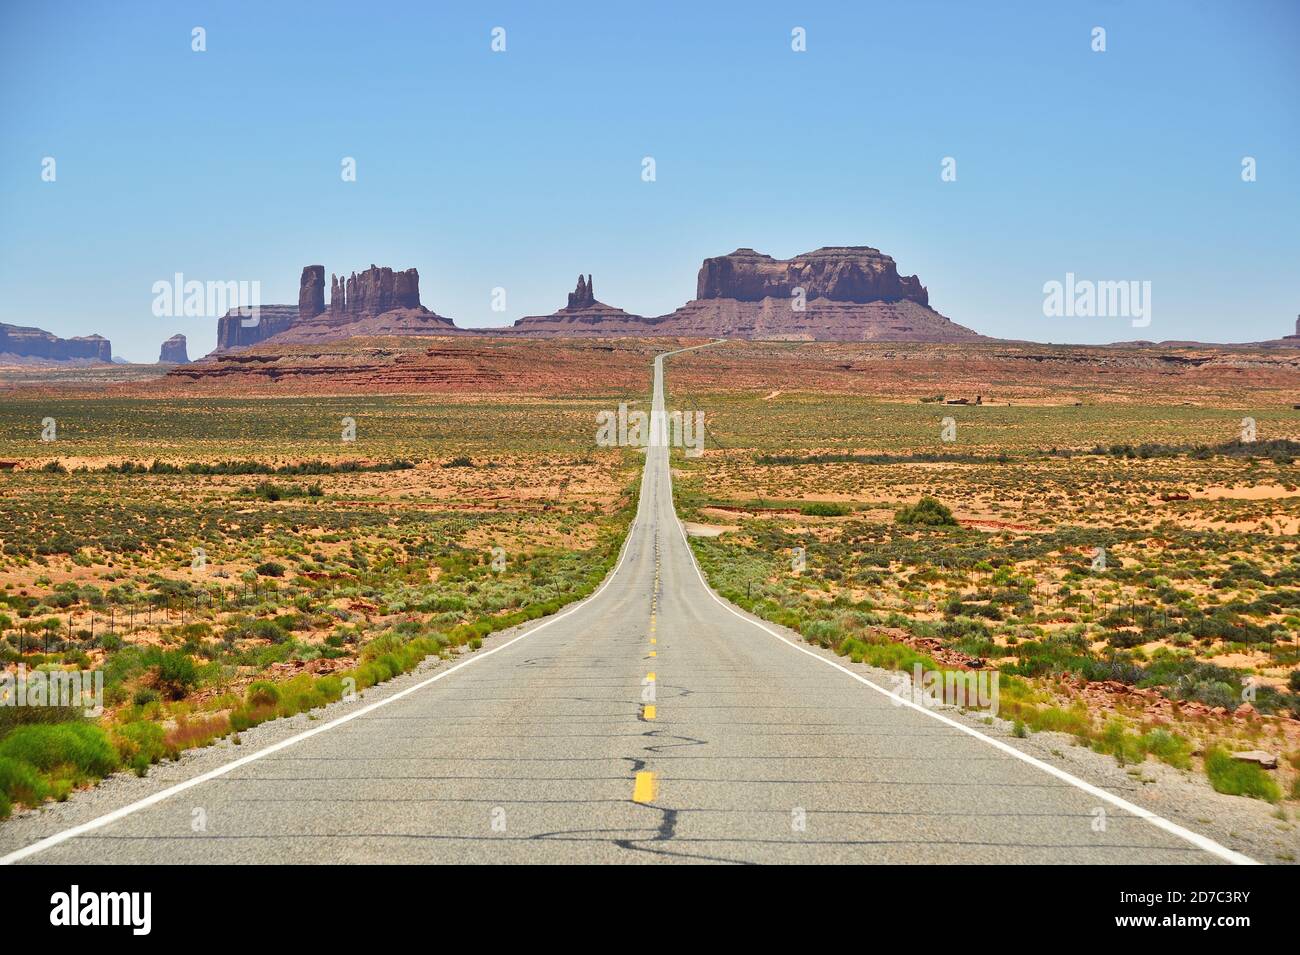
pixel 652 722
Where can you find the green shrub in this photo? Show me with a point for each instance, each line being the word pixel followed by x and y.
pixel 12 716
pixel 177 674
pixel 1168 748
pixel 1055 719
pixel 927 512
pixel 1126 747
pixel 270 630
pixel 824 509
pixel 19 782
pixel 891 656
pixel 246 717
pixel 141 744
pixel 262 693
pixel 76 750
pixel 145 695
pixel 1236 778
pixel 824 633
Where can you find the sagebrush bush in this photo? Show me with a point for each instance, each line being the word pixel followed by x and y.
pixel 19 782
pixel 176 672
pixel 927 512
pixel 140 744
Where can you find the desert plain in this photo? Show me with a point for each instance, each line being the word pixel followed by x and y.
pixel 1114 531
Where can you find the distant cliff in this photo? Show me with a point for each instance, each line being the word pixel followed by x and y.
pixel 845 293
pixel 374 291
pixel 39 345
pixel 235 330
pixel 837 293
pixel 855 273
pixel 582 316
pixel 173 352
pixel 375 301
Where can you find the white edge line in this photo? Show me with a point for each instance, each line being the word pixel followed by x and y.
pixel 1195 838
pixel 1198 840
pixel 132 808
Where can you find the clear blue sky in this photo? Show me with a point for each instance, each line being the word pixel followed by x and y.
pixel 523 168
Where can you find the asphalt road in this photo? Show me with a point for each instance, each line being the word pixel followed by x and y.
pixel 543 751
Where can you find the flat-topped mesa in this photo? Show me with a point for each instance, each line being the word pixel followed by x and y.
pixel 855 273
pixel 849 293
pixel 36 344
pixel 374 291
pixel 838 293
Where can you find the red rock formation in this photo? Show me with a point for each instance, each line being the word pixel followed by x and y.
pixel 377 301
pixel 396 321
pixel 854 273
pixel 582 316
pixel 820 320
pixel 374 291
pixel 239 331
pixel 311 292
pixel 584 296
pixel 841 293
pixel 848 294
pixel 173 352
pixel 23 343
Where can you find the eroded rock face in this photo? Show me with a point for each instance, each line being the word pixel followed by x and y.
pixel 584 296
pixel 36 343
pixel 173 352
pixel 854 273
pixel 235 330
pixel 375 301
pixel 774 319
pixel 374 291
pixel 311 292
pixel 582 316
pixel 844 293
pixel 851 293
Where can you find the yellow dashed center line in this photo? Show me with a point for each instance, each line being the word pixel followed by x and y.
pixel 645 787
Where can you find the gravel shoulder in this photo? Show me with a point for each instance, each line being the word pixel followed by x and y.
pixel 1185 797
pixel 124 788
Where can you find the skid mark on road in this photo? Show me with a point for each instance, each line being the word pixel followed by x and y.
pixel 665 736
